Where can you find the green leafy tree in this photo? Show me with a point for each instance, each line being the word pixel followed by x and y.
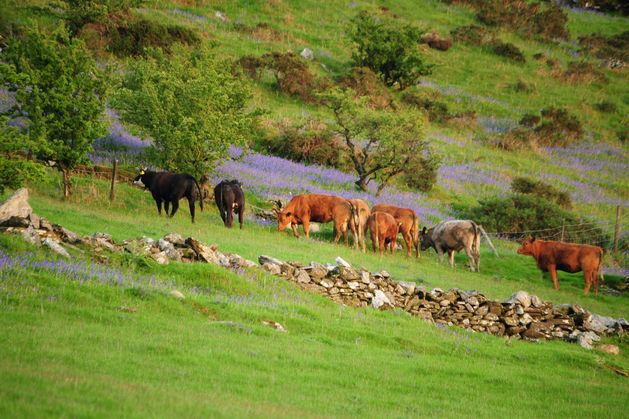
pixel 59 92
pixel 389 49
pixel 189 104
pixel 381 144
pixel 15 167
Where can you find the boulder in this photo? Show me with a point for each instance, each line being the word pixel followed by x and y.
pixel 380 300
pixel 599 324
pixel 55 247
pixel 268 259
pixel 536 301
pixel 16 207
pixel 272 268
pixel 610 349
pixel 204 253
pixel 177 294
pixel 586 339
pixel 68 236
pixel 35 221
pixel 302 276
pixel 521 297
pixel 175 239
pixel 161 258
pixel 30 235
pixel 44 224
pixel 342 262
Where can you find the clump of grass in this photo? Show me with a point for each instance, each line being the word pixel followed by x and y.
pixel 582 72
pixel 523 87
pixel 472 35
pixel 507 50
pixel 614 47
pixel 606 106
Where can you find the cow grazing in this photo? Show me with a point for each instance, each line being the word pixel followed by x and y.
pixel 344 216
pixel 307 208
pixel 169 188
pixel 568 257
pixel 451 236
pixel 229 199
pixel 383 228
pixel 409 224
pixel 361 214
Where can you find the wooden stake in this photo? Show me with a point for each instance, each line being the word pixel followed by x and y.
pixel 112 191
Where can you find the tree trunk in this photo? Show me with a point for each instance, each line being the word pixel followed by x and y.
pixel 67 185
pixel 362 184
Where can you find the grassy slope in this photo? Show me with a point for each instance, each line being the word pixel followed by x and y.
pixel 72 349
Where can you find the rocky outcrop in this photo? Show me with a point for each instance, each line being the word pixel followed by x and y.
pixel 15 211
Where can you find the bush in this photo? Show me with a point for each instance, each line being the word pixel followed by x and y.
pixel 606 106
pixel 311 142
pixel 365 82
pixel 582 72
pixel 613 6
pixel 515 139
pixel 516 214
pixel 81 12
pixel 424 174
pixel 530 120
pixel 558 127
pixel 472 35
pixel 389 49
pixel 523 87
pixel 291 72
pixel 529 186
pixel 613 48
pixel 507 50
pixel 437 111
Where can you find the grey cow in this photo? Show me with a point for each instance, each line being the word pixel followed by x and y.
pixel 448 236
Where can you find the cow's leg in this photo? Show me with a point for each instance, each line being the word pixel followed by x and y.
pixel 374 240
pixel 451 257
pixel 191 206
pixel 588 282
pixel 337 232
pixel 381 244
pixel 471 258
pixel 306 223
pixel 175 207
pixel 293 227
pixel 158 202
pixel 407 239
pixel 166 206
pixel 241 214
pixel 552 269
pixel 392 245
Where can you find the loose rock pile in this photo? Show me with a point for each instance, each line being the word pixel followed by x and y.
pixel 521 316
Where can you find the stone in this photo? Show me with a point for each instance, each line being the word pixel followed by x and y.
pixel 599 324
pixel 400 289
pixel 160 257
pixel 353 285
pixel 380 299
pixel 204 253
pixel 536 301
pixel 365 277
pixel 69 236
pixel 55 247
pixel 586 339
pixel 326 283
pixel 610 349
pixel 30 235
pixel 177 294
pixel 444 303
pixel 16 206
pixel 249 263
pixel 526 319
pixel 221 16
pixel 268 259
pixel 35 221
pixel 16 222
pixel 408 286
pixel 44 224
pixel 275 325
pixel 521 297
pixel 272 268
pixel 302 276
pixel 175 239
pixel 223 260
pixel 342 262
pixel 307 54
pixel 349 274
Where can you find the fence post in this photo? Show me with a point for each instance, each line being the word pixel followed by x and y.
pixel 563 229
pixel 491 245
pixel 112 191
pixel 617 230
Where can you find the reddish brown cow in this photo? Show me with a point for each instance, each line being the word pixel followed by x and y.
pixel 343 216
pixel 409 224
pixel 567 257
pixel 383 229
pixel 361 215
pixel 304 209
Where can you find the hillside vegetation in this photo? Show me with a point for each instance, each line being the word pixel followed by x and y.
pixel 524 131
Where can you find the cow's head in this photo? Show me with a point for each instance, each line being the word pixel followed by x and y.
pixel 528 247
pixel 284 219
pixel 141 177
pixel 425 238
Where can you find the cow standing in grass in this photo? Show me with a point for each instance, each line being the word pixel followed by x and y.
pixel 568 257
pixel 361 214
pixel 409 224
pixel 451 236
pixel 383 229
pixel 169 188
pixel 230 198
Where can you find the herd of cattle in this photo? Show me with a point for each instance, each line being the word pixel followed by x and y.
pixel 383 221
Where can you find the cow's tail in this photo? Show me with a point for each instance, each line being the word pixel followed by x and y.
pixel 476 240
pixel 377 235
pixel 599 271
pixel 200 193
pixel 415 232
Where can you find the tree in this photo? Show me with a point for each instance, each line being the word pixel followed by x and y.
pixel 59 92
pixel 389 49
pixel 15 169
pixel 189 104
pixel 381 144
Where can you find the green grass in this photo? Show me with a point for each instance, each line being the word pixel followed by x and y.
pixel 91 349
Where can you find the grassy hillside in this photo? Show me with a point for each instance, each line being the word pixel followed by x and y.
pixel 83 339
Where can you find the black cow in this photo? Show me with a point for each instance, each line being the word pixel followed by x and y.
pixel 170 188
pixel 230 198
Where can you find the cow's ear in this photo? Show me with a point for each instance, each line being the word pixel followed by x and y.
pixel 532 239
pixel 424 230
pixel 288 214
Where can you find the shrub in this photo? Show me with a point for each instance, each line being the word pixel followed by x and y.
pixel 614 47
pixel 614 6
pixel 81 12
pixel 424 174
pixel 436 41
pixel 529 186
pixel 437 111
pixel 515 139
pixel 365 82
pixel 507 50
pixel 558 127
pixel 518 213
pixel 530 120
pixel 523 87
pixel 582 71
pixel 310 142
pixel 389 49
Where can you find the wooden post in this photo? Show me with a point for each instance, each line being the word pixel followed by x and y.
pixel 617 230
pixel 563 229
pixel 491 245
pixel 112 191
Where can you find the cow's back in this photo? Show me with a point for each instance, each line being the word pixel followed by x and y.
pixel 455 234
pixel 568 257
pixel 319 207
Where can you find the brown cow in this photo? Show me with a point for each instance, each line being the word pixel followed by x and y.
pixel 343 216
pixel 567 257
pixel 383 229
pixel 409 224
pixel 303 209
pixel 361 215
